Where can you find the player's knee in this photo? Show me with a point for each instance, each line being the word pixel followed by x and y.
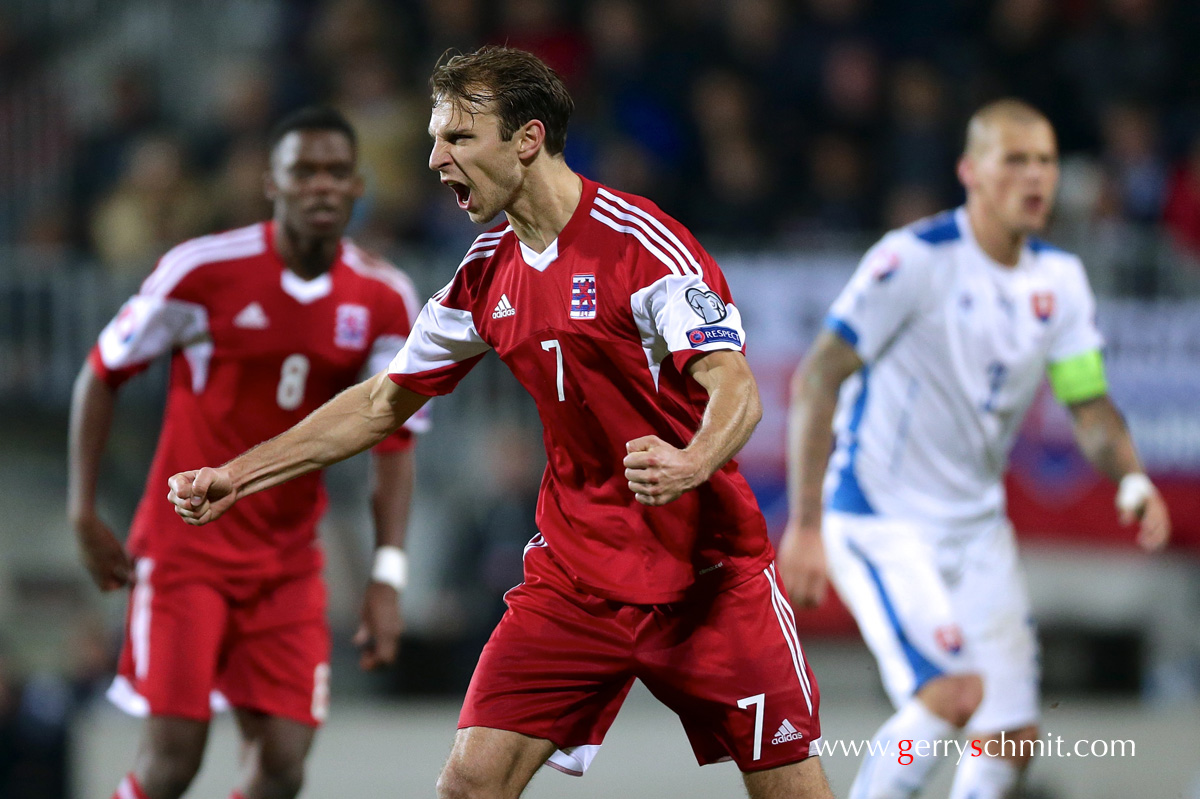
pixel 955 698
pixel 451 785
pixel 168 771
pixel 280 773
pixel 282 784
pixel 965 698
pixel 459 783
pixel 1027 745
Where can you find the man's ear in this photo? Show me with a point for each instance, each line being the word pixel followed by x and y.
pixel 531 138
pixel 270 190
pixel 966 172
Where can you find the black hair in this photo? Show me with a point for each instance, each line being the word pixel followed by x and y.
pixel 313 117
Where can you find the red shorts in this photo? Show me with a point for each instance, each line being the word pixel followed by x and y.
pixel 192 644
pixel 560 663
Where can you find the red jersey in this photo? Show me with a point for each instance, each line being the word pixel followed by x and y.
pixel 598 329
pixel 254 349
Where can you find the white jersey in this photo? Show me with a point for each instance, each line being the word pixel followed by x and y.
pixel 954 347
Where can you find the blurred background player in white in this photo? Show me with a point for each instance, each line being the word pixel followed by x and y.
pixel 263 324
pixel 651 559
pixel 931 357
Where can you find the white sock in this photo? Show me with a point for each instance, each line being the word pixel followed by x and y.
pixel 884 776
pixel 984 778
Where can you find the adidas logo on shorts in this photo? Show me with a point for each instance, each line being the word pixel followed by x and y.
pixel 786 733
pixel 503 308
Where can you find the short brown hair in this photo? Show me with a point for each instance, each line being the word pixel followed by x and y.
pixel 1008 109
pixel 520 84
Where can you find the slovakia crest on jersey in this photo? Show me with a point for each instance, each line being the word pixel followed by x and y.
pixel 583 297
pixel 1043 305
pixel 350 331
pixel 884 265
pixel 949 638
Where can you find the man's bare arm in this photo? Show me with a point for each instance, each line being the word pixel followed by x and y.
pixel 358 418
pixel 659 473
pixel 814 396
pixel 392 479
pixel 92 403
pixel 1104 439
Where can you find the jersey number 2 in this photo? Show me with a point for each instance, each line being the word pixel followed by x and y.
pixel 552 344
pixel 997 372
pixel 290 392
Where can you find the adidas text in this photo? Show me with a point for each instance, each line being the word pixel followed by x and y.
pixel 786 733
pixel 503 308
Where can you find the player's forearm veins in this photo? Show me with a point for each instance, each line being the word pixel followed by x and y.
pixel 732 413
pixel 357 419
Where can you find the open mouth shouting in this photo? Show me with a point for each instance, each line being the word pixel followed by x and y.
pixel 1034 203
pixel 462 192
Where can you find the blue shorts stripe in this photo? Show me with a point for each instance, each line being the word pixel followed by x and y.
pixel 923 670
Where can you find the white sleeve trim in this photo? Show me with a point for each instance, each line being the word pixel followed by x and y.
pixel 149 326
pixel 383 351
pixel 384 272
pixel 191 255
pixel 665 318
pixel 661 248
pixel 440 337
pixel 656 225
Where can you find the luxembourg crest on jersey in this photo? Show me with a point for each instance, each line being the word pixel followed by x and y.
pixel 1043 305
pixel 350 331
pixel 126 324
pixel 583 297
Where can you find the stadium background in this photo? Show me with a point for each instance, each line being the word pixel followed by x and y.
pixel 787 134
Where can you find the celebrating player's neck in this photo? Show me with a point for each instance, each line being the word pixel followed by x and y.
pixel 308 256
pixel 544 203
pixel 999 241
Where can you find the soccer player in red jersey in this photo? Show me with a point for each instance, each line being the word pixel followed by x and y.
pixel 263 324
pixel 651 559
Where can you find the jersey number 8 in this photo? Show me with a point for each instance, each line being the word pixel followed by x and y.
pixel 290 392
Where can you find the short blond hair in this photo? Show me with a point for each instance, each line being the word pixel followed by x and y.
pixel 984 120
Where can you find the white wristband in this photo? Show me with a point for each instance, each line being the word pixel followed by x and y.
pixel 1133 492
pixel 390 567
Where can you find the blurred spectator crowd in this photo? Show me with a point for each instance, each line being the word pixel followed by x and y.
pixel 757 122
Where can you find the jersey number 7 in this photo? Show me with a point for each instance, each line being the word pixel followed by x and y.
pixel 552 344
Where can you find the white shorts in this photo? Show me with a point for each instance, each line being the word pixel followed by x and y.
pixel 934 602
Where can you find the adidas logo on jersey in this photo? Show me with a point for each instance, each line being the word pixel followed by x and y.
pixel 252 317
pixel 503 308
pixel 786 733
